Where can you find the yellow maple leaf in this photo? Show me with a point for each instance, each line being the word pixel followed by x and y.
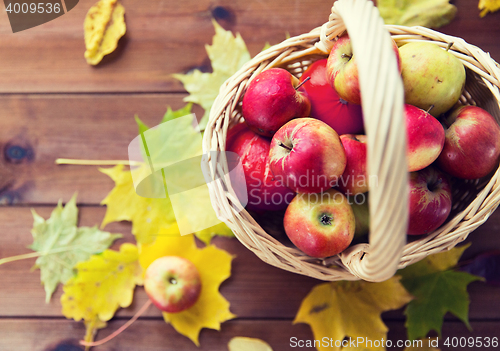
pixel 227 54
pixel 351 309
pixel 103 26
pixel 488 6
pixel 214 266
pixel 102 284
pixel 150 217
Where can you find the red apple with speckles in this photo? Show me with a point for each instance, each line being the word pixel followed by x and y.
pixel 307 155
pixel 320 225
pixel 429 200
pixel 354 180
pixel 425 138
pixel 342 70
pixel 327 106
pixel 472 146
pixel 264 191
pixel 272 99
pixel 172 283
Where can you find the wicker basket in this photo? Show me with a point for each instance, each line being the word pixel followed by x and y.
pixel 383 95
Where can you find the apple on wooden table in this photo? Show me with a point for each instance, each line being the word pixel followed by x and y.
pixel 272 99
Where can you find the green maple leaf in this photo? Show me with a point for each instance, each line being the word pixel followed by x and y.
pixel 438 289
pixel 61 244
pixel 227 54
pixel 427 13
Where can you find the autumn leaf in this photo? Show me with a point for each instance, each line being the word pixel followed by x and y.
pixel 351 309
pixel 61 244
pixel 488 6
pixel 169 115
pixel 426 13
pixel 214 266
pixel 240 343
pixel 104 25
pixel 438 289
pixel 102 284
pixel 227 54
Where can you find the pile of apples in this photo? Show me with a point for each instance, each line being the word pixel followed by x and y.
pixel 302 147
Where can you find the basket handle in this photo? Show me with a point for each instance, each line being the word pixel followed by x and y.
pixel 382 102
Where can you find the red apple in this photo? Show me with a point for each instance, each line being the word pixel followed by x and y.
pixel 263 190
pixel 172 283
pixel 429 200
pixel 354 180
pixel 320 225
pixel 472 146
pixel 307 155
pixel 272 99
pixel 327 106
pixel 342 70
pixel 425 138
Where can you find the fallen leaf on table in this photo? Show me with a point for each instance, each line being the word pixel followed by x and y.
pixel 240 343
pixel 351 309
pixel 104 25
pixel 426 13
pixel 438 289
pixel 214 266
pixel 227 54
pixel 62 244
pixel 102 284
pixel 488 6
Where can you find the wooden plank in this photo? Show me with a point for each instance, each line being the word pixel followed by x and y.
pixel 255 289
pixel 154 334
pixel 168 37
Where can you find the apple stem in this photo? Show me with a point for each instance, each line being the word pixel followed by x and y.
pixel 449 46
pixel 302 83
pixel 119 330
pixel 346 55
pixel 430 108
pixel 285 146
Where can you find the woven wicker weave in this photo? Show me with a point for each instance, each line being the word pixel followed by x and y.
pixel 382 102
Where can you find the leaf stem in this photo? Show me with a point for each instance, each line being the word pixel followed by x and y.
pixel 39 253
pixel 69 161
pixel 119 330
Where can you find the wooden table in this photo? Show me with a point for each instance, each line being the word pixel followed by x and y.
pixel 52 104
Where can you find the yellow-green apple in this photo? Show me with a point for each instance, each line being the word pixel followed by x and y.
pixel 272 99
pixel 472 146
pixel 327 106
pixel 320 225
pixel 307 155
pixel 429 200
pixel 264 192
pixel 359 205
pixel 425 138
pixel 354 180
pixel 342 70
pixel 433 78
pixel 172 283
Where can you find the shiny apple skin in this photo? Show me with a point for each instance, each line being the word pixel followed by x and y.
pixel 327 106
pixel 317 158
pixel 425 138
pixel 172 283
pixel 264 192
pixel 305 226
pixel 271 100
pixel 354 180
pixel 429 201
pixel 472 146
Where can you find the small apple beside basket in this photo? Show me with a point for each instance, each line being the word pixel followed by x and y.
pixel 382 103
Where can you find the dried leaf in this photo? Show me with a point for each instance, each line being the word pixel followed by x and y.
pixel 426 13
pixel 214 266
pixel 104 25
pixel 62 244
pixel 437 289
pixel 488 6
pixel 227 55
pixel 351 309
pixel 103 283
pixel 240 343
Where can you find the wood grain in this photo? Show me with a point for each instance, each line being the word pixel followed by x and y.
pixel 164 38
